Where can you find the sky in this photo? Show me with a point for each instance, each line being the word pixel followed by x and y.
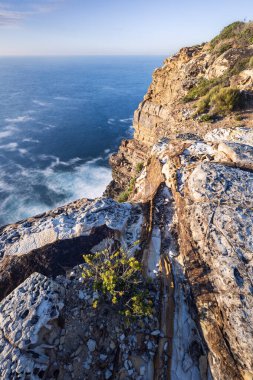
pixel 113 27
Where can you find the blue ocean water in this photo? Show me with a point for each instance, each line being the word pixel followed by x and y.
pixel 60 118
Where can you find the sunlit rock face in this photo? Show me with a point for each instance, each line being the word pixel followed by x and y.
pixel 188 220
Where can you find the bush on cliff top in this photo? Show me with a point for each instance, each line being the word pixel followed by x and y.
pixel 228 32
pixel 239 33
pixel 118 280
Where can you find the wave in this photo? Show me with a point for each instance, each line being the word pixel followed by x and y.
pixel 31 140
pixel 5 133
pixel 54 187
pixel 10 147
pixel 64 98
pixel 111 121
pixel 127 120
pixel 19 119
pixel 41 103
pixel 46 125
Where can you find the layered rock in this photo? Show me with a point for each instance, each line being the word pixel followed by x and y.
pixel 211 183
pixel 191 213
pixel 164 114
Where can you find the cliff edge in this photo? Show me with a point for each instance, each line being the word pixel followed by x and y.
pixel 181 203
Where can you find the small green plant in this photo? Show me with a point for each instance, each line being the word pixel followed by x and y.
pixel 118 280
pixel 139 167
pixel 205 118
pixel 238 117
pixel 203 104
pixel 222 48
pixel 123 197
pixel 251 63
pixel 246 35
pixel 239 66
pixel 131 184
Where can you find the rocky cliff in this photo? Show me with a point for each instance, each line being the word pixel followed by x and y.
pixel 188 178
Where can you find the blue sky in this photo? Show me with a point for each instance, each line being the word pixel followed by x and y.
pixel 98 27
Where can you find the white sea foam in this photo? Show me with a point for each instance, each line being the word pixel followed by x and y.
pixel 4 186
pixel 31 140
pixel 23 151
pixel 111 121
pixel 87 180
pixel 64 98
pixel 10 146
pixel 19 119
pixel 41 103
pixel 47 126
pixel 4 134
pixel 127 120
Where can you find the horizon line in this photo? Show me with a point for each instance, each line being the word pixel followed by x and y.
pixel 84 55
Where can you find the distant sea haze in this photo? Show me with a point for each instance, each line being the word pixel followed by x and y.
pixel 60 119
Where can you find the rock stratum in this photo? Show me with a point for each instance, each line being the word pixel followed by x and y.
pixel 187 179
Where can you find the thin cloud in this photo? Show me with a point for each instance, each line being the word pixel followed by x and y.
pixel 8 18
pixel 14 15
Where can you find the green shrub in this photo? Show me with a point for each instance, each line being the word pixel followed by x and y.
pixel 118 280
pixel 251 63
pixel 239 66
pixel 205 118
pixel 220 100
pixel 225 100
pixel 139 167
pixel 239 33
pixel 228 32
pixel 238 117
pixel 131 185
pixel 123 197
pixel 200 89
pixel 246 35
pixel 222 48
pixel 203 104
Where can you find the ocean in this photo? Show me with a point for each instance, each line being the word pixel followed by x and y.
pixel 60 119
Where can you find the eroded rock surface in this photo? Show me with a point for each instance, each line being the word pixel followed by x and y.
pixel 190 183
pixel 75 220
pixel 29 327
pixel 56 241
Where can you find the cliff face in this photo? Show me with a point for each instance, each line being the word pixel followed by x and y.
pixel 165 112
pixel 188 174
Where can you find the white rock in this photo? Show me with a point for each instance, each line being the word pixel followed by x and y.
pixel 91 344
pixel 108 374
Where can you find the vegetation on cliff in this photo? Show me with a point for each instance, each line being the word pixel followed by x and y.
pixel 237 34
pixel 118 279
pixel 216 96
